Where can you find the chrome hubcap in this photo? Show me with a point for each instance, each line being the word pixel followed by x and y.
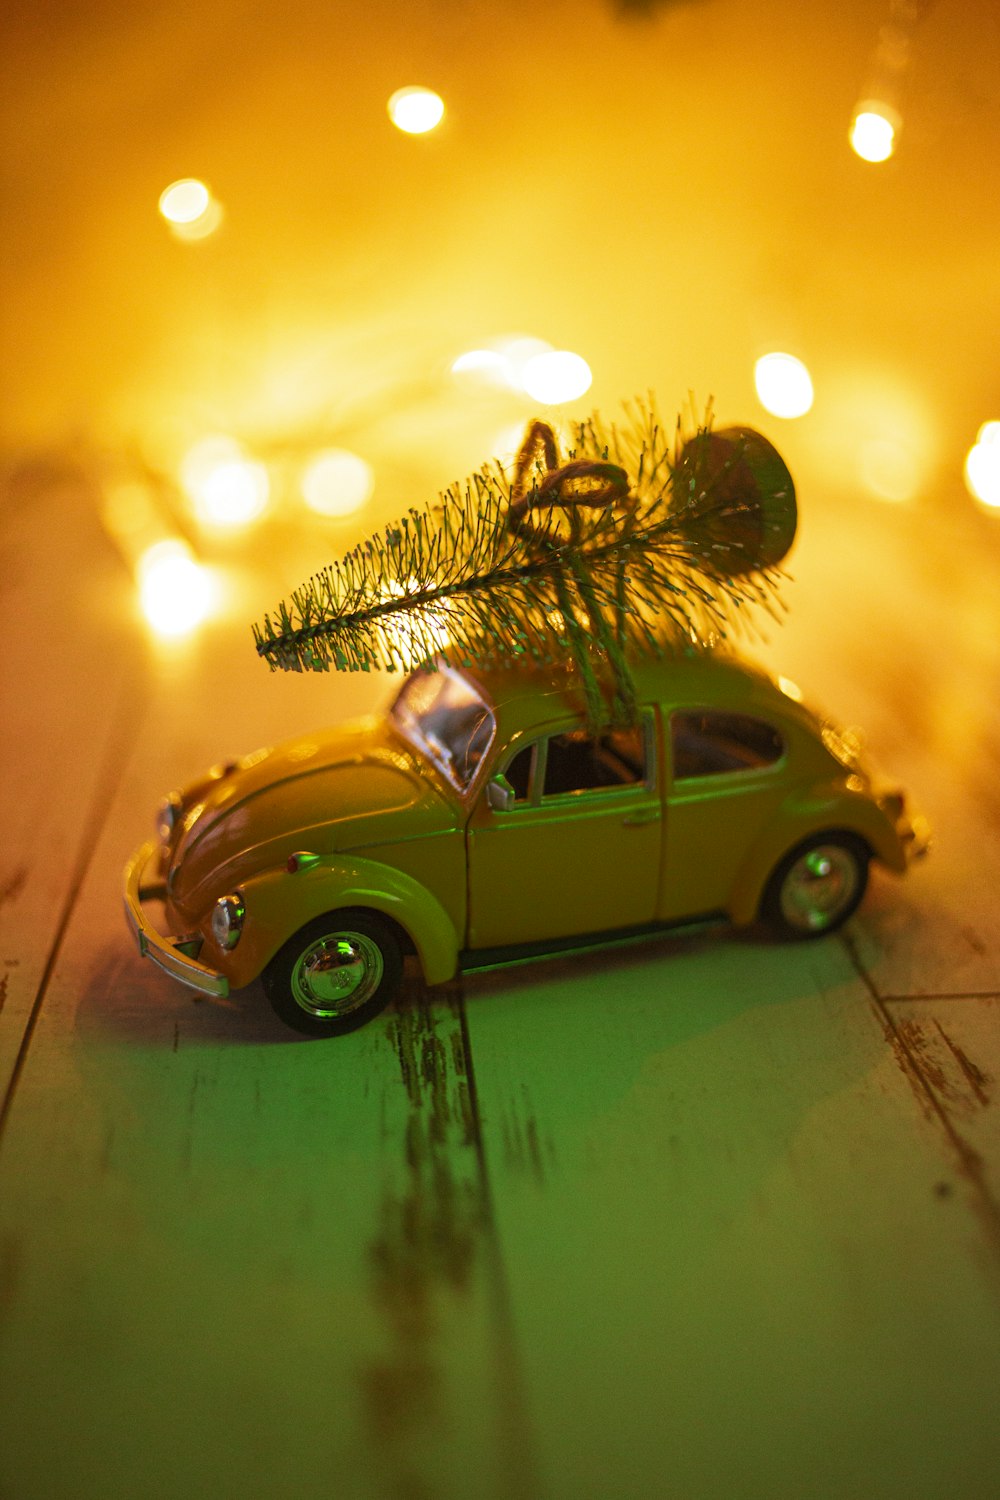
pixel 337 974
pixel 819 887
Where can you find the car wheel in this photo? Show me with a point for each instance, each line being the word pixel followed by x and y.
pixel 336 974
pixel 817 886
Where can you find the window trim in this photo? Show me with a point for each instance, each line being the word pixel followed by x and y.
pixel 535 747
pixel 539 764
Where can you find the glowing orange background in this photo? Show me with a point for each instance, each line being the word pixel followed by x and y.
pixel 669 192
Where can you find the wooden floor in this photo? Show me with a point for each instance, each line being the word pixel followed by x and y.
pixel 714 1218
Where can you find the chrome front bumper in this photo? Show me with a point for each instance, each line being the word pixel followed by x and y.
pixel 175 955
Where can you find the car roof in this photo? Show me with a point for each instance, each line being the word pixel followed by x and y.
pixel 527 693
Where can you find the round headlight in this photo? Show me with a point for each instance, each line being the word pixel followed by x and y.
pixel 227 920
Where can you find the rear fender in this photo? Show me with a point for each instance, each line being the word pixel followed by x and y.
pixel 802 816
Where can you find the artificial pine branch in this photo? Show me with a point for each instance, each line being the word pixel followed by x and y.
pixel 576 559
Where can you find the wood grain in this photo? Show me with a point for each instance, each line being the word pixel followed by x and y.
pixel 711 1217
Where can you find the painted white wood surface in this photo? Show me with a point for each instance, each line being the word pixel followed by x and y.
pixel 713 1217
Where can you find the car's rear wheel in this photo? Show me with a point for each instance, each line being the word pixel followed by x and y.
pixel 816 886
pixel 336 974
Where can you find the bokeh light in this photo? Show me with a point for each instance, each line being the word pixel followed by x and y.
pixel 226 488
pixel 175 592
pixel 483 369
pixel 555 376
pixel 499 365
pixel 784 385
pixel 184 201
pixel 982 466
pixel 191 212
pixel 337 483
pixel 889 469
pixel 200 228
pixel 873 131
pixel 416 110
pixel 413 635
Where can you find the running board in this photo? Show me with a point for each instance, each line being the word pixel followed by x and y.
pixel 482 960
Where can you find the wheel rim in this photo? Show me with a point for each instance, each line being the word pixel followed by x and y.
pixel 819 887
pixel 336 975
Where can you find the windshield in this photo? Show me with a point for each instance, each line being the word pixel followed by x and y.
pixel 444 716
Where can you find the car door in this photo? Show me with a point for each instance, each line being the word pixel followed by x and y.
pixel 578 851
pixel 727 776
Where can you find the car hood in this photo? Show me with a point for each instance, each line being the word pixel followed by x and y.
pixel 343 789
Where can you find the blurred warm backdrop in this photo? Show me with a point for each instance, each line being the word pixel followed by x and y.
pixel 667 189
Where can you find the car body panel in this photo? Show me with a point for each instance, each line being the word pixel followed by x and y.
pixel 279 903
pixel 577 863
pixel 389 831
pixel 351 788
pixel 721 822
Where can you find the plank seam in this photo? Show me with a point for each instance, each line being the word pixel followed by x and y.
pixel 945 995
pixel 119 747
pixel 969 1161
pixel 517 1455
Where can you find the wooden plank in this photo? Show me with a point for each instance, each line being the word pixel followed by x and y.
pixel 233 1260
pixel 68 682
pixel 255 1265
pixel 949 1047
pixel 240 1260
pixel 741 1260
pixel 895 626
pixel 675 1219
pixel 747 1202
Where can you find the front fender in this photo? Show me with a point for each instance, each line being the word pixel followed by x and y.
pixel 279 902
pixel 818 810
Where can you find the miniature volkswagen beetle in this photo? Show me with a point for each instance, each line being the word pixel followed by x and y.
pixel 481 820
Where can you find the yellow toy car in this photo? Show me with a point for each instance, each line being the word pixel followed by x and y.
pixel 481 820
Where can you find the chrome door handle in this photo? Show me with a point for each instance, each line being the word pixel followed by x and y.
pixel 640 819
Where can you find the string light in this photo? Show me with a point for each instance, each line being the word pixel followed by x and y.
pixel 784 385
pixel 416 110
pixel 189 208
pixel 226 488
pixel 874 130
pixel 184 201
pixel 982 466
pixel 556 376
pixel 483 368
pixel 337 483
pixel 175 592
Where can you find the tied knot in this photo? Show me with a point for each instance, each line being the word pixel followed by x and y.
pixel 593 483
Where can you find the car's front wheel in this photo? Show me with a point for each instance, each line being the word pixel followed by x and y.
pixel 816 886
pixel 336 974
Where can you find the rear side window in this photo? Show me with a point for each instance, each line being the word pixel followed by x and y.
pixel 709 743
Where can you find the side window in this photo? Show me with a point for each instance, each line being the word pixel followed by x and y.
pixel 708 743
pixel 582 762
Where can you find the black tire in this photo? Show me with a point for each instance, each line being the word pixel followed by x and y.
pixel 336 974
pixel 817 886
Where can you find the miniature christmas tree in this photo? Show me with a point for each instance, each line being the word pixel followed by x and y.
pixel 638 542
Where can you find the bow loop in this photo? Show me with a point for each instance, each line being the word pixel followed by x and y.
pixel 592 483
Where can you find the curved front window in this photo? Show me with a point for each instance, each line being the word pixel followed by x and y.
pixel 445 717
